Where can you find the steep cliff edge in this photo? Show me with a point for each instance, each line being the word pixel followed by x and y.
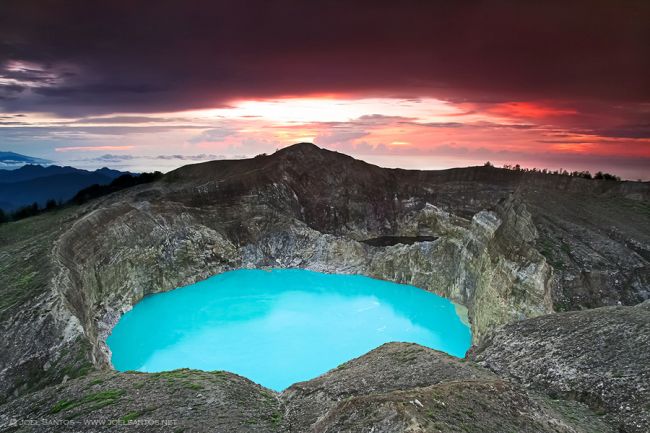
pixel 507 245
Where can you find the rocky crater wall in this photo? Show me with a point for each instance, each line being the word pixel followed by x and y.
pixel 113 256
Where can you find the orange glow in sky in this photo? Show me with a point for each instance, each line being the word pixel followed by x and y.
pixel 529 110
pixel 399 132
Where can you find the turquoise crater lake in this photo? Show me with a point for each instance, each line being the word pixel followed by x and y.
pixel 282 326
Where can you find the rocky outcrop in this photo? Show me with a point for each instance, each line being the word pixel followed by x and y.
pixel 600 357
pixel 397 387
pixel 459 406
pixel 180 400
pixel 392 367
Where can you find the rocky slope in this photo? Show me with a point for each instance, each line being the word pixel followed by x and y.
pixel 397 387
pixel 506 245
pixel 181 400
pixel 600 357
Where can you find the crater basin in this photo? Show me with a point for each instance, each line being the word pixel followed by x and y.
pixel 282 326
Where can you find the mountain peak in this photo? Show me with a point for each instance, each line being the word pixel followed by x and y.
pixel 302 147
pixel 310 151
pixel 14 160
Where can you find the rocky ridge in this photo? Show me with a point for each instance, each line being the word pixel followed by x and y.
pixel 397 387
pixel 600 357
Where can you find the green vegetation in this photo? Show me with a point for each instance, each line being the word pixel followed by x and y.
pixel 136 414
pixel 547 249
pixel 24 261
pixel 641 208
pixel 130 416
pixel 95 401
pixel 72 363
pixel 181 373
pixel 193 386
pixel 181 378
pixel 122 182
pixel 63 405
pixel 406 356
pixel 276 418
pixel 585 174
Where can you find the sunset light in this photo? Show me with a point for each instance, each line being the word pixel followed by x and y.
pixel 414 93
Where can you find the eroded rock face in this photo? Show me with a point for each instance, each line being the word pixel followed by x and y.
pixel 600 357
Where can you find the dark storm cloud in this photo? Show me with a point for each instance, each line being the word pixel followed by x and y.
pixel 142 56
pixel 626 131
pixel 129 119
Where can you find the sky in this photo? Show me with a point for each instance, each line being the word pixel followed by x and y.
pixel 421 84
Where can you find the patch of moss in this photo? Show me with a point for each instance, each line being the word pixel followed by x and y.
pixel 182 373
pixel 26 279
pixel 276 418
pixel 35 376
pixel 63 405
pixel 218 376
pixel 268 397
pixel 137 414
pixel 95 401
pixel 566 248
pixel 24 259
pixel 79 365
pixel 193 386
pixel 131 416
pixel 406 356
pixel 547 248
pixel 110 394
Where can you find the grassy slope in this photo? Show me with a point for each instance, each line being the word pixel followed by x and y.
pixel 25 262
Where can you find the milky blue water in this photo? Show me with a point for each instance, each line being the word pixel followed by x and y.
pixel 280 327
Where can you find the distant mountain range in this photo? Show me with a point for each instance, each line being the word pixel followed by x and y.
pixel 37 184
pixel 11 160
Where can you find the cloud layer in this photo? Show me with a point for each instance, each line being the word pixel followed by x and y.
pixel 129 56
pixel 555 81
